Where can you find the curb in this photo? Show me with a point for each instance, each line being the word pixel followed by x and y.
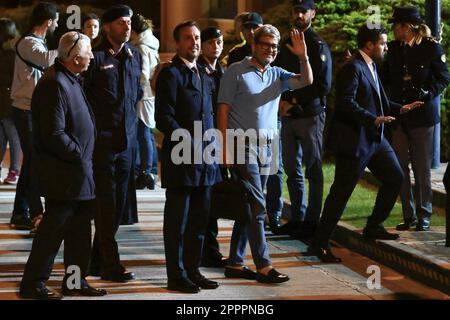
pixel 408 261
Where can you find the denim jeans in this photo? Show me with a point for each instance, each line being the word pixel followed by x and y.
pixel 252 232
pixel 8 133
pixel 27 199
pixel 147 154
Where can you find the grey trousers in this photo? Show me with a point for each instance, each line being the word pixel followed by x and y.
pixel 415 146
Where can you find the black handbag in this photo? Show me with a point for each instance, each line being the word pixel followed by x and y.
pixel 230 199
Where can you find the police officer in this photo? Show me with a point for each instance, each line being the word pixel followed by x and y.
pixel 212 47
pixel 113 89
pixel 303 125
pixel 250 23
pixel 415 69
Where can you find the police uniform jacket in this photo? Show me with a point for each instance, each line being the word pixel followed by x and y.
pixel 416 73
pixel 112 85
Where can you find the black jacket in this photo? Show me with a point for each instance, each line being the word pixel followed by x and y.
pixel 112 85
pixel 416 73
pixel 63 136
pixel 311 100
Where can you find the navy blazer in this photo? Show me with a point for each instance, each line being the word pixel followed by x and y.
pixel 63 136
pixel 180 102
pixel 357 106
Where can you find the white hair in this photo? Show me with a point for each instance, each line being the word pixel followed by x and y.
pixel 267 30
pixel 68 40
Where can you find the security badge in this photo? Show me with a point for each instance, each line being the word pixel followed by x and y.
pixel 443 58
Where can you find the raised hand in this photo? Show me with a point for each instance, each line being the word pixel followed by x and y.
pixel 298 46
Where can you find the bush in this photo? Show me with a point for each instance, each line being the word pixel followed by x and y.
pixel 337 23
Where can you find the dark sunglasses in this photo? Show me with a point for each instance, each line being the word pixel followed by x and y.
pixel 266 46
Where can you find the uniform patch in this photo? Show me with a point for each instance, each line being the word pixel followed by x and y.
pixel 323 57
pixel 443 58
pixel 105 67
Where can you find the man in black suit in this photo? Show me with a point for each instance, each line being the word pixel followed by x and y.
pixel 184 102
pixel 64 136
pixel 361 112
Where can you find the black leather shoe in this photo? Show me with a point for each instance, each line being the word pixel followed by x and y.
pixel 86 291
pixel 406 224
pixel 183 285
pixel 272 277
pixel 324 254
pixel 379 233
pixel 203 282
pixel 423 224
pixel 21 222
pixel 119 277
pixel 216 263
pixel 145 179
pixel 43 293
pixel 274 223
pixel 244 273
pixel 289 227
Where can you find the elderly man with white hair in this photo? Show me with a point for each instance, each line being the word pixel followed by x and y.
pixel 64 137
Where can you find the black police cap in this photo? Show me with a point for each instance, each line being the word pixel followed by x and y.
pixel 116 12
pixel 252 19
pixel 406 15
pixel 305 4
pixel 210 33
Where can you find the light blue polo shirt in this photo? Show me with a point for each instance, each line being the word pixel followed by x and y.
pixel 253 95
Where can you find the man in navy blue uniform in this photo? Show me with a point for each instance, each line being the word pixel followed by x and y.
pixel 415 69
pixel 303 125
pixel 361 112
pixel 113 89
pixel 184 100
pixel 64 138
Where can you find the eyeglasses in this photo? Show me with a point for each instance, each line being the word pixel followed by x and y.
pixel 266 46
pixel 73 46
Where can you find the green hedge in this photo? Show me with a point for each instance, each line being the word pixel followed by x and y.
pixel 337 22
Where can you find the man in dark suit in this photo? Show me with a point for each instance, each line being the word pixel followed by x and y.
pixel 184 102
pixel 112 86
pixel 361 112
pixel 64 136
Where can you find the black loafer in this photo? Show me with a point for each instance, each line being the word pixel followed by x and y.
pixel 272 277
pixel 244 273
pixel 119 277
pixel 324 254
pixel 203 283
pixel 423 224
pixel 42 293
pixel 406 224
pixel 379 233
pixel 86 291
pixel 183 285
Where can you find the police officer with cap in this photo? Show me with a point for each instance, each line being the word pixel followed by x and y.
pixel 212 47
pixel 415 69
pixel 112 86
pixel 250 23
pixel 303 125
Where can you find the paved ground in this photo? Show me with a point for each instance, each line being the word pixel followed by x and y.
pixel 142 251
